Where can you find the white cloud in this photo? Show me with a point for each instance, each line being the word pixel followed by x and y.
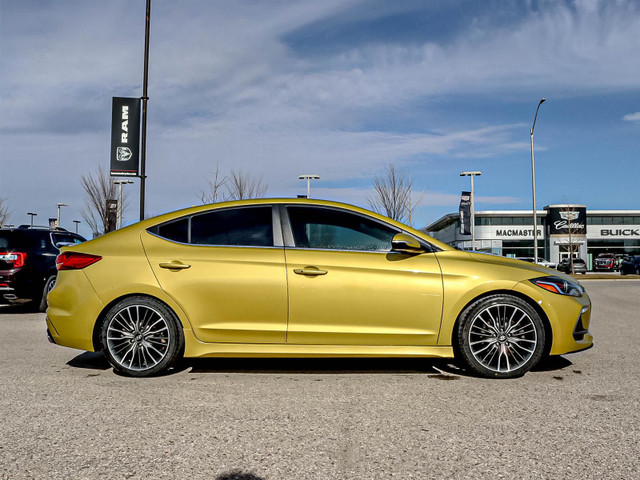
pixel 632 117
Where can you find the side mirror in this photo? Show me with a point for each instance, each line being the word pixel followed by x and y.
pixel 401 242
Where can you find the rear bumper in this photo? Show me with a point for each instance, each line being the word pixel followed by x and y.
pixel 71 315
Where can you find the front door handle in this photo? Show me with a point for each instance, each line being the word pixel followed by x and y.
pixel 309 271
pixel 174 265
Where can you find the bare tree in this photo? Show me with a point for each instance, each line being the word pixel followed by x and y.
pixel 571 214
pixel 99 188
pixel 4 212
pixel 393 196
pixel 239 185
pixel 213 193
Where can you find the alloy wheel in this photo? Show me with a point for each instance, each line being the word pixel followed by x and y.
pixel 138 337
pixel 502 337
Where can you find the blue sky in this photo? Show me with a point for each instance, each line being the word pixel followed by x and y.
pixel 338 88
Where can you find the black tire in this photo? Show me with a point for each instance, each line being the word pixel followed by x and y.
pixel 500 336
pixel 141 337
pixel 48 286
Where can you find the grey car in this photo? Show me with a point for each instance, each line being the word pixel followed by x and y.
pixel 579 266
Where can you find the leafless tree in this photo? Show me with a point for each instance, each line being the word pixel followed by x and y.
pixel 239 185
pixel 393 195
pixel 4 212
pixel 572 246
pixel 99 188
pixel 213 193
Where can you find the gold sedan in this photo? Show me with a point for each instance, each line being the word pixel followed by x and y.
pixel 305 278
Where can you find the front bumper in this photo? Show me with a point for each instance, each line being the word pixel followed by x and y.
pixel 569 318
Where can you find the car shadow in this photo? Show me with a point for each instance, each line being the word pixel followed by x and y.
pixel 441 369
pixel 90 361
pixel 552 363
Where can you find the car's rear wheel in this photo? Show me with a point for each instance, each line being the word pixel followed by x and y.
pixel 141 336
pixel 500 336
pixel 48 286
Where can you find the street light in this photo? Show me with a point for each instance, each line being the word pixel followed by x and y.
pixel 60 205
pixel 308 178
pixel 473 207
pixel 533 187
pixel 32 215
pixel 119 214
pixel 77 222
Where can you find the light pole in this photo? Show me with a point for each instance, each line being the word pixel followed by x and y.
pixel 308 178
pixel 32 215
pixel 59 206
pixel 533 187
pixel 77 222
pixel 473 207
pixel 119 214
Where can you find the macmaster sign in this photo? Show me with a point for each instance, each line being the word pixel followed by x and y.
pixel 125 136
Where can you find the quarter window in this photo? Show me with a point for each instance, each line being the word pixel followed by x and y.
pixel 178 230
pixel 325 228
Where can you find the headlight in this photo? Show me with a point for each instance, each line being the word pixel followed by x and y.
pixel 559 286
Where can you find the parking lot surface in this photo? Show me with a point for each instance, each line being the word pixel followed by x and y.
pixel 66 414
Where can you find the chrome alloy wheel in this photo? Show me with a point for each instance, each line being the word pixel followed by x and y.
pixel 502 337
pixel 138 337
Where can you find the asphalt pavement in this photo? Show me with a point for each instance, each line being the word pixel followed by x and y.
pixel 64 414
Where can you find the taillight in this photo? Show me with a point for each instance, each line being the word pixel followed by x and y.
pixel 16 258
pixel 75 260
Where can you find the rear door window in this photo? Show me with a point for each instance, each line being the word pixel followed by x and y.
pixel 244 226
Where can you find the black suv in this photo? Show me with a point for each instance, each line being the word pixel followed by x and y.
pixel 28 262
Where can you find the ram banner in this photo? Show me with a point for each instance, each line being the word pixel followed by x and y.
pixel 125 137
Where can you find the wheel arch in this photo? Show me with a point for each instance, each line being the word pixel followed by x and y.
pixel 95 338
pixel 548 332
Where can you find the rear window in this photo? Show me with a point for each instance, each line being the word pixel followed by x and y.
pixel 7 240
pixel 62 239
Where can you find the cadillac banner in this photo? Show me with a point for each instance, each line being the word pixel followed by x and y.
pixel 465 213
pixel 567 219
pixel 125 136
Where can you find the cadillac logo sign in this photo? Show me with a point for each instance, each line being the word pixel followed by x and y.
pixel 569 215
pixel 125 136
pixel 567 219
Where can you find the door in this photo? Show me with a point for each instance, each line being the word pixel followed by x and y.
pixel 223 268
pixel 346 287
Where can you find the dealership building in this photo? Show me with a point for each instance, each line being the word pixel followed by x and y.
pixel 561 229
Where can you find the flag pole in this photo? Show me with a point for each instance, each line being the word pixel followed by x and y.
pixel 145 98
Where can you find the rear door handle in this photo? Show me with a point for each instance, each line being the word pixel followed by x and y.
pixel 309 271
pixel 174 265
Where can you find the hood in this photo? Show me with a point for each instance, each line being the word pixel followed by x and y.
pixel 512 262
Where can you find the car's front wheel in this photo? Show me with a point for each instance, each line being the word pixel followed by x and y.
pixel 141 336
pixel 500 336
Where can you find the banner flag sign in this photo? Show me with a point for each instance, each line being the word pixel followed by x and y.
pixel 125 137
pixel 465 213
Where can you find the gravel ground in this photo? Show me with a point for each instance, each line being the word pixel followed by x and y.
pixel 66 414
